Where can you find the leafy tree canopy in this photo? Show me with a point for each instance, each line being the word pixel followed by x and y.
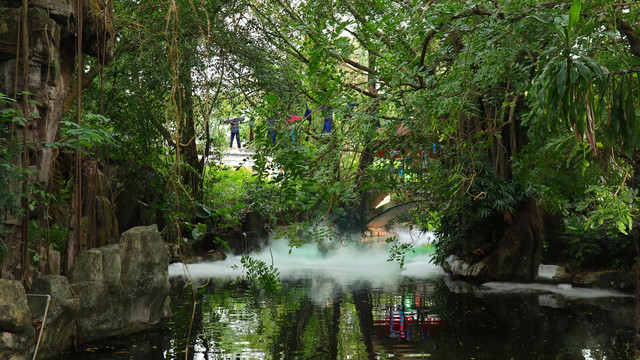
pixel 500 90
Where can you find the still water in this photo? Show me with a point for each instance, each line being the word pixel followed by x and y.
pixel 352 303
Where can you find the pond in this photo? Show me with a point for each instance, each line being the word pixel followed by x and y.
pixel 354 304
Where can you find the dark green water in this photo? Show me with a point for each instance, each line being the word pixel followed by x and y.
pixel 356 305
pixel 319 319
pixel 413 319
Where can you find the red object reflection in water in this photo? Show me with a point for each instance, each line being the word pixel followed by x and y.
pixel 406 325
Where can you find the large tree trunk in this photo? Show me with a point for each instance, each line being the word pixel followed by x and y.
pixel 518 253
pixel 191 175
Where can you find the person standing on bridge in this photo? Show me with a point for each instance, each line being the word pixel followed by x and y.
pixel 307 115
pixel 235 130
pixel 271 123
pixel 328 119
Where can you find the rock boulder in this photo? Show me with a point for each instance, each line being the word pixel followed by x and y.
pixel 60 327
pixel 122 288
pixel 16 331
pixel 102 304
pixel 145 276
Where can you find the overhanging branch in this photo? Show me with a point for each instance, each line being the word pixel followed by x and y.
pixel 632 37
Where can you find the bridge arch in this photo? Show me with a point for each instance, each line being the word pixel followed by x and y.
pixel 385 210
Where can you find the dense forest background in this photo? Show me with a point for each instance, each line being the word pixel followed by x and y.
pixel 496 117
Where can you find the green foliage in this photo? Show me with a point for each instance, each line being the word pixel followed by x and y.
pixel 198 231
pixel 265 276
pixel 578 90
pixel 309 183
pixel 66 189
pixel 475 217
pixel 494 85
pixel 91 135
pixel 593 197
pixel 10 173
pixel 398 251
pixel 599 229
pixel 5 248
pixel 596 248
pixel 554 167
pixel 609 208
pixel 224 195
pixel 263 198
pixel 38 197
pixel 58 235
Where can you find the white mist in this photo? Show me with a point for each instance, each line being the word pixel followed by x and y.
pixel 349 263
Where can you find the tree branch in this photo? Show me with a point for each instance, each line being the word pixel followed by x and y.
pixel 362 91
pixel 423 54
pixel 632 37
pixel 314 36
pixel 363 21
pixel 87 79
pixel 364 45
pixel 278 34
pixel 379 34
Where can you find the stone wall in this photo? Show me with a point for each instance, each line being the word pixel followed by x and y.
pixel 52 27
pixel 110 291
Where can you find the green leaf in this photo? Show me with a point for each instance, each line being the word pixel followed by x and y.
pixel 581 118
pixel 574 14
pixel 560 22
pixel 585 165
pixel 630 117
pixel 621 227
pixel 198 231
pixel 540 19
pixel 614 123
pixel 561 78
pixel 203 213
pixel 597 68
pixel 573 75
pixel 584 71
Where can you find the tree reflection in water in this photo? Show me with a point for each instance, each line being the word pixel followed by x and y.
pixel 353 304
pixel 407 319
pixel 411 319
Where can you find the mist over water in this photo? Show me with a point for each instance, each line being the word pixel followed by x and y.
pixel 354 262
pixel 349 263
pixel 350 297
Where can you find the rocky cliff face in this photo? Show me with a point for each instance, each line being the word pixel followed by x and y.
pixel 51 62
pixel 43 61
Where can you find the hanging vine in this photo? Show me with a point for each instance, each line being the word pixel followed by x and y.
pixel 25 151
pixel 74 247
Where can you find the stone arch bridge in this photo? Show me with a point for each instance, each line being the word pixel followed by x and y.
pixel 386 208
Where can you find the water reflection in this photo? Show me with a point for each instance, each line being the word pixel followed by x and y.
pixel 355 322
pixel 362 307
pixel 417 319
pixel 409 318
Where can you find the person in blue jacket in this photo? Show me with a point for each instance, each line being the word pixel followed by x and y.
pixel 235 130
pixel 271 123
pixel 328 119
